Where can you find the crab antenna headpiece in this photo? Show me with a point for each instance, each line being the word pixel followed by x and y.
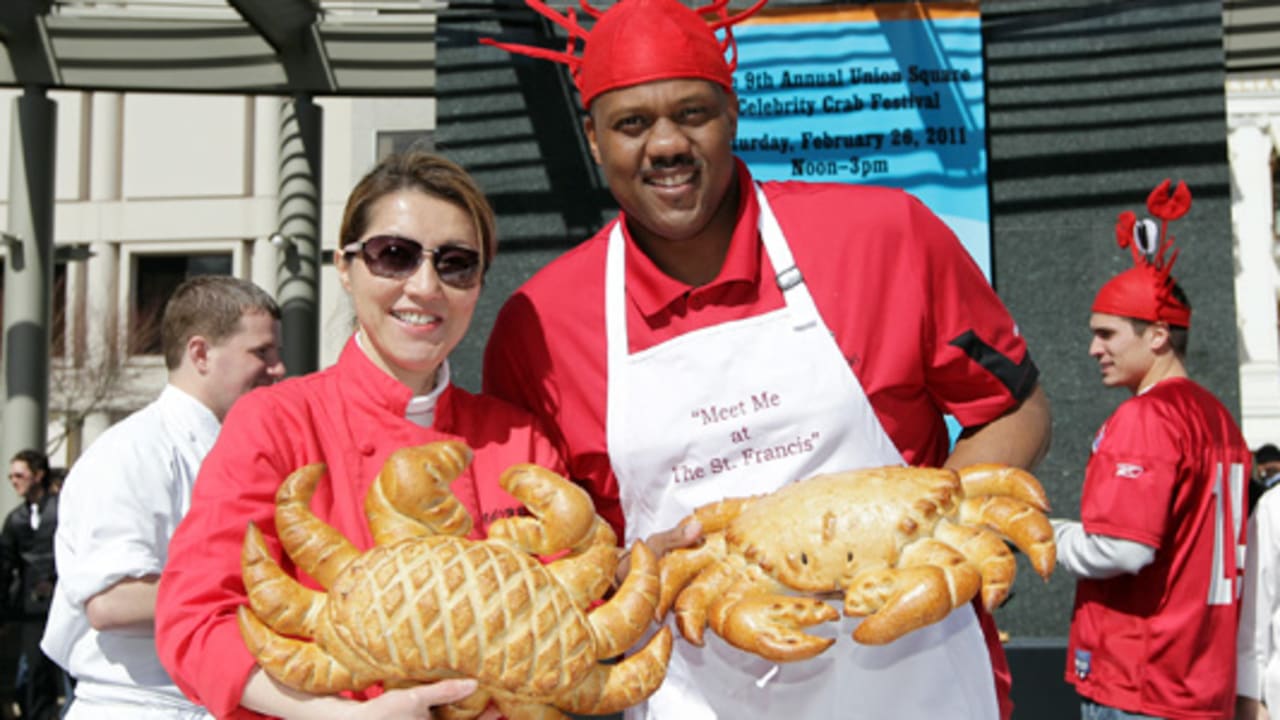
pixel 1145 291
pixel 639 41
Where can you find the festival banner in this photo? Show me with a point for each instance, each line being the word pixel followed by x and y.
pixel 887 93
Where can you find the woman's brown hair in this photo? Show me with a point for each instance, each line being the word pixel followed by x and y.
pixel 428 173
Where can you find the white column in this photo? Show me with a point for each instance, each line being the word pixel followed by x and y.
pixel 266 179
pixel 102 312
pixel 106 133
pixel 94 425
pixel 1253 216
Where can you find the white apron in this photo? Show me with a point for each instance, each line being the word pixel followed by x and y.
pixel 743 408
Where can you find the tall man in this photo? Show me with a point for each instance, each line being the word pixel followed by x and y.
pixel 1161 537
pixel 724 337
pixel 126 493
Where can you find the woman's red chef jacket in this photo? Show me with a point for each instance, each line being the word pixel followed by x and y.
pixel 351 417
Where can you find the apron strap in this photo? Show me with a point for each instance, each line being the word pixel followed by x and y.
pixel 617 346
pixel 789 278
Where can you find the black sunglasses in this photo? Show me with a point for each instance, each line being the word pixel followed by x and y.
pixel 392 256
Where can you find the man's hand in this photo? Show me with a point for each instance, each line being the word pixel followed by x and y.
pixel 1248 708
pixel 681 536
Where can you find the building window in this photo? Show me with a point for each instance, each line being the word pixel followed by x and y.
pixel 399 141
pixel 58 312
pixel 1275 195
pixel 155 277
pixel 58 321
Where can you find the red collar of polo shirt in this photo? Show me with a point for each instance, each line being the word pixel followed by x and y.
pixel 374 385
pixel 652 290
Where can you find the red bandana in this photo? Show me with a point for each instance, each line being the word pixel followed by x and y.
pixel 640 41
pixel 1145 291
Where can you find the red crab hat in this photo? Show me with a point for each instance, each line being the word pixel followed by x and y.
pixel 640 41
pixel 1145 291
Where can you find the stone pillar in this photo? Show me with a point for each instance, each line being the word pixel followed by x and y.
pixel 298 274
pixel 28 274
pixel 266 257
pixel 106 134
pixel 1252 214
pixel 102 312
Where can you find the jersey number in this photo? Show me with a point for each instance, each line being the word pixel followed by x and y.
pixel 1224 585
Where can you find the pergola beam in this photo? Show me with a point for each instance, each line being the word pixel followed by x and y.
pixel 30 60
pixel 291 27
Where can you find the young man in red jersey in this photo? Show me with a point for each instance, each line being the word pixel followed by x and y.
pixel 725 337
pixel 1160 544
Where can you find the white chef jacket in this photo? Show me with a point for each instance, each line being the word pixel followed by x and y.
pixel 120 504
pixel 1258 642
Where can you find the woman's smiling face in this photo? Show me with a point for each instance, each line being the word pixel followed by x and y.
pixel 410 325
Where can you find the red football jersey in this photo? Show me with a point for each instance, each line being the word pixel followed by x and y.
pixel 1168 470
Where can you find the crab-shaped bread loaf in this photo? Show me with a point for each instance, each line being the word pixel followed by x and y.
pixel 425 604
pixel 905 546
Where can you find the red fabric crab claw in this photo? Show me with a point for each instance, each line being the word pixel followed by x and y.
pixel 1124 228
pixel 1169 204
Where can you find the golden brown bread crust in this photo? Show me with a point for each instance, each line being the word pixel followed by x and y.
pixel 904 545
pixel 995 563
pixel 477 609
pixel 290 608
pixel 1024 526
pixel 563 515
pixel 915 593
pixel 429 606
pixel 300 665
pixel 400 504
pixel 1004 480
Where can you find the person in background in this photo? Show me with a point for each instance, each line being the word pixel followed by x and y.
pixel 57 476
pixel 416 238
pixel 1266 472
pixel 725 337
pixel 1258 668
pixel 1161 533
pixel 27 577
pixel 124 496
pixel 1258 641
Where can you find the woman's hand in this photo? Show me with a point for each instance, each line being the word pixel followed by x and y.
pixel 266 695
pixel 686 534
pixel 416 702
